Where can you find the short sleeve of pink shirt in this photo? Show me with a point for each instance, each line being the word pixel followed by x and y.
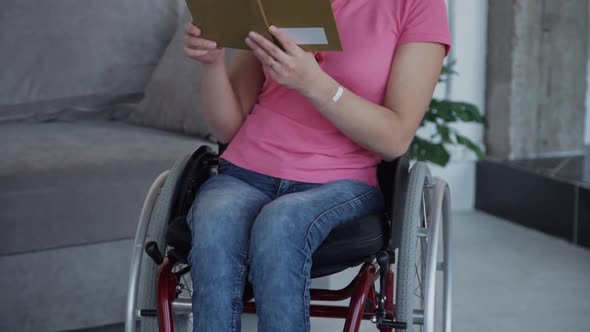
pixel 424 21
pixel 286 137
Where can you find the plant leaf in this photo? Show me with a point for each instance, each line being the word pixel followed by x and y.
pixel 445 133
pixel 430 116
pixel 423 150
pixel 461 111
pixel 442 111
pixel 470 145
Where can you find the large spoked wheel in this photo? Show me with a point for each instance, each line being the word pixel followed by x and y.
pixel 154 218
pixel 423 290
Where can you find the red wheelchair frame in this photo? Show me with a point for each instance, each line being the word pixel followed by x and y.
pixel 360 290
pixel 365 302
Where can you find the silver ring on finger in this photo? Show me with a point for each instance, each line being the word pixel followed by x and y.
pixel 272 63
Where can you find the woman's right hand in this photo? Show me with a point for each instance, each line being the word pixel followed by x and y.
pixel 200 49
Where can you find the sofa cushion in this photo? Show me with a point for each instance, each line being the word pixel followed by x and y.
pixel 172 98
pixel 64 184
pixel 65 53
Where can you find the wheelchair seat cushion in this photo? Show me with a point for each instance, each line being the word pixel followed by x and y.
pixel 349 245
pixel 346 246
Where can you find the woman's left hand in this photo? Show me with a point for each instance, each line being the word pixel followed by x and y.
pixel 294 68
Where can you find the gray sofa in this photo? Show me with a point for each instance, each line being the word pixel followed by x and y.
pixel 96 99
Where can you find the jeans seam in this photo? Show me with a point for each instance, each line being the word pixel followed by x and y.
pixel 278 189
pixel 306 295
pixel 314 222
pixel 238 284
pixel 308 254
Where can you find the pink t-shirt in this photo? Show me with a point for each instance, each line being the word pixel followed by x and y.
pixel 286 137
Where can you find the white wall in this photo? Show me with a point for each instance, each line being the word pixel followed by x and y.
pixel 469 33
pixel 587 136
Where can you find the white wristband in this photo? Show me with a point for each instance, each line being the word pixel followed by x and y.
pixel 338 94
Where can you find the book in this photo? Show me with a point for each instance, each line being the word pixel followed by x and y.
pixel 310 23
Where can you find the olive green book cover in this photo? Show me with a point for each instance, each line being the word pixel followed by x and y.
pixel 310 23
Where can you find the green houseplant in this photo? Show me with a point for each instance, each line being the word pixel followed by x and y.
pixel 441 114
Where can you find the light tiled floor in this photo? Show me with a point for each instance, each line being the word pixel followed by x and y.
pixel 506 278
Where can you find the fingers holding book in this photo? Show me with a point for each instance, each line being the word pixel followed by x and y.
pixel 291 67
pixel 265 49
pixel 200 49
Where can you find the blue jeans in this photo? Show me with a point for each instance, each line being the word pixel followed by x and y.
pixel 246 224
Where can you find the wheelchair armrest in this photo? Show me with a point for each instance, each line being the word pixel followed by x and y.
pixel 221 147
pixel 196 171
pixel 395 197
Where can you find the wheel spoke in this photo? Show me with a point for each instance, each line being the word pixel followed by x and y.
pixel 420 266
pixel 188 285
pixel 424 222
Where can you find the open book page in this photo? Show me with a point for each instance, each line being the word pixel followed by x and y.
pixel 228 22
pixel 310 22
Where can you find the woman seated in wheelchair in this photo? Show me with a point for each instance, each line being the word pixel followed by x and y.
pixel 305 132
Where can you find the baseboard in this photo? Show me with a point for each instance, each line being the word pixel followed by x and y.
pixel 550 203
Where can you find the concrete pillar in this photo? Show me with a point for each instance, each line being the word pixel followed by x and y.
pixel 587 137
pixel 536 77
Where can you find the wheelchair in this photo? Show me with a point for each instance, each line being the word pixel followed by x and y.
pixel 410 239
